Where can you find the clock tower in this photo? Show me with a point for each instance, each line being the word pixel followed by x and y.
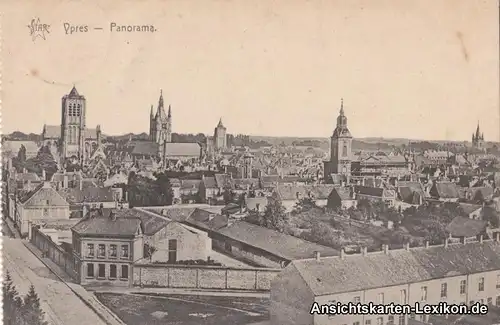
pixel 340 148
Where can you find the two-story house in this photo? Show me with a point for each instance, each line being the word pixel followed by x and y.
pixel 105 248
pixel 454 273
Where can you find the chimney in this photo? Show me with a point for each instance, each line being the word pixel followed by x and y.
pixel 364 251
pixel 446 242
pixel 65 181
pixel 342 253
pixel 317 256
pixel 426 244
pixel 386 249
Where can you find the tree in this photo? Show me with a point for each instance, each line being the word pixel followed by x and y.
pixel 11 301
pixel 32 312
pixel 228 196
pixel 275 216
pixel 304 204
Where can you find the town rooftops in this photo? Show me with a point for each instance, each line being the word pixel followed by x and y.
pixel 466 227
pixel 278 244
pixel 334 275
pixel 294 192
pixel 43 195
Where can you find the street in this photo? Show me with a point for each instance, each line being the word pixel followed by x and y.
pixel 60 304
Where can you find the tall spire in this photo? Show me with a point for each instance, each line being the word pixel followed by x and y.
pixel 160 102
pixel 220 125
pixel 342 106
pixel 169 111
pixel 151 111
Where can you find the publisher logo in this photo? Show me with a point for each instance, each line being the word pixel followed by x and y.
pixel 37 29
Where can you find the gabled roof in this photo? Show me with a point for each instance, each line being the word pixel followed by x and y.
pixel 446 190
pixel 146 149
pixel 318 192
pixel 278 244
pixel 378 270
pixel 43 195
pixel 466 227
pixel 105 226
pixel 209 182
pixel 469 208
pixel 187 184
pixel 224 181
pixel 52 132
pixel 176 149
pixel 87 194
pixel 74 92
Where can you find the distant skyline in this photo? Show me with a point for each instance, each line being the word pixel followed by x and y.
pixel 416 69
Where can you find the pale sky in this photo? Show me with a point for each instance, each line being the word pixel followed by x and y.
pixel 420 69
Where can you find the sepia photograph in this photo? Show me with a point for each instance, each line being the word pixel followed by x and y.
pixel 230 162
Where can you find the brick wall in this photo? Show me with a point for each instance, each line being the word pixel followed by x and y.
pixel 65 260
pixel 202 277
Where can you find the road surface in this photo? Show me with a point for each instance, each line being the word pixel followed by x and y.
pixel 61 305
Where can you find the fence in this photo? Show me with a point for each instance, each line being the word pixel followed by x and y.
pixel 62 258
pixel 203 277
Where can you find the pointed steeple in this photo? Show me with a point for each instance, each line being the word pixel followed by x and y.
pixel 220 125
pixel 342 106
pixel 151 114
pixel 478 134
pixel 74 92
pixel 169 114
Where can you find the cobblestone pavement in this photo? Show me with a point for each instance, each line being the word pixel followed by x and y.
pixel 61 305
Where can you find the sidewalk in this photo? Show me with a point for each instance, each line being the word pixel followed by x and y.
pixel 87 297
pixel 10 224
pixel 181 291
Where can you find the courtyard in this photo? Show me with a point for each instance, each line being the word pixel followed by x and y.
pixel 156 309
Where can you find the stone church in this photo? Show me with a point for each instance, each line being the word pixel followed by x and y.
pixel 73 139
pixel 478 138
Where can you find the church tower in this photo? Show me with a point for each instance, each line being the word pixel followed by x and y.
pixel 478 138
pixel 160 125
pixel 73 125
pixel 340 148
pixel 220 138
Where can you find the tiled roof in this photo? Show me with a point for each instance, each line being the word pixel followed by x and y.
pixel 206 219
pixel 187 184
pixel 469 208
pixel 174 149
pixel 209 182
pixel 88 194
pixel 379 270
pixel 146 149
pixel 446 190
pixel 43 195
pixel 466 227
pixel 251 202
pixel 319 192
pixel 375 191
pixel 343 193
pixel 244 183
pixel 278 244
pixel 151 223
pixel 224 181
pixel 177 214
pixel 52 132
pixel 475 193
pixel 105 226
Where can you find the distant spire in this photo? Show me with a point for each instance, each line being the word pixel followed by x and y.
pixel 160 102
pixel 169 111
pixel 220 125
pixel 342 106
pixel 151 111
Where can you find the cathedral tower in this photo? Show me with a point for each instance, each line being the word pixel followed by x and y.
pixel 73 125
pixel 220 137
pixel 478 138
pixel 340 148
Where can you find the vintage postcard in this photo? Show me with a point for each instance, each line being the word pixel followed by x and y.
pixel 250 162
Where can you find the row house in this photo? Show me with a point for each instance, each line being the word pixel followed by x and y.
pixel 342 198
pixel 453 273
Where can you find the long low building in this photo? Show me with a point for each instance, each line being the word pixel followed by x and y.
pixel 460 273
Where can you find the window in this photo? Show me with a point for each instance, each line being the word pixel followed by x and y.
pixel 356 300
pixel 172 250
pixel 344 151
pixel 444 290
pixel 498 301
pixel 112 271
pixel 480 285
pixel 355 323
pixel 380 321
pixel 463 287
pixel 498 281
pixel 124 251
pixel 423 291
pixel 101 270
pixel 390 320
pixel 90 270
pixel 401 320
pixel 90 250
pixel 101 251
pixel 381 298
pixel 368 322
pixel 403 296
pixel 490 301
pixel 112 251
pixel 124 274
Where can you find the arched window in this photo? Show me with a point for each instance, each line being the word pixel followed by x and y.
pixel 344 150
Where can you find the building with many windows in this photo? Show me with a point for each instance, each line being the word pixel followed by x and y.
pixel 458 273
pixel 105 248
